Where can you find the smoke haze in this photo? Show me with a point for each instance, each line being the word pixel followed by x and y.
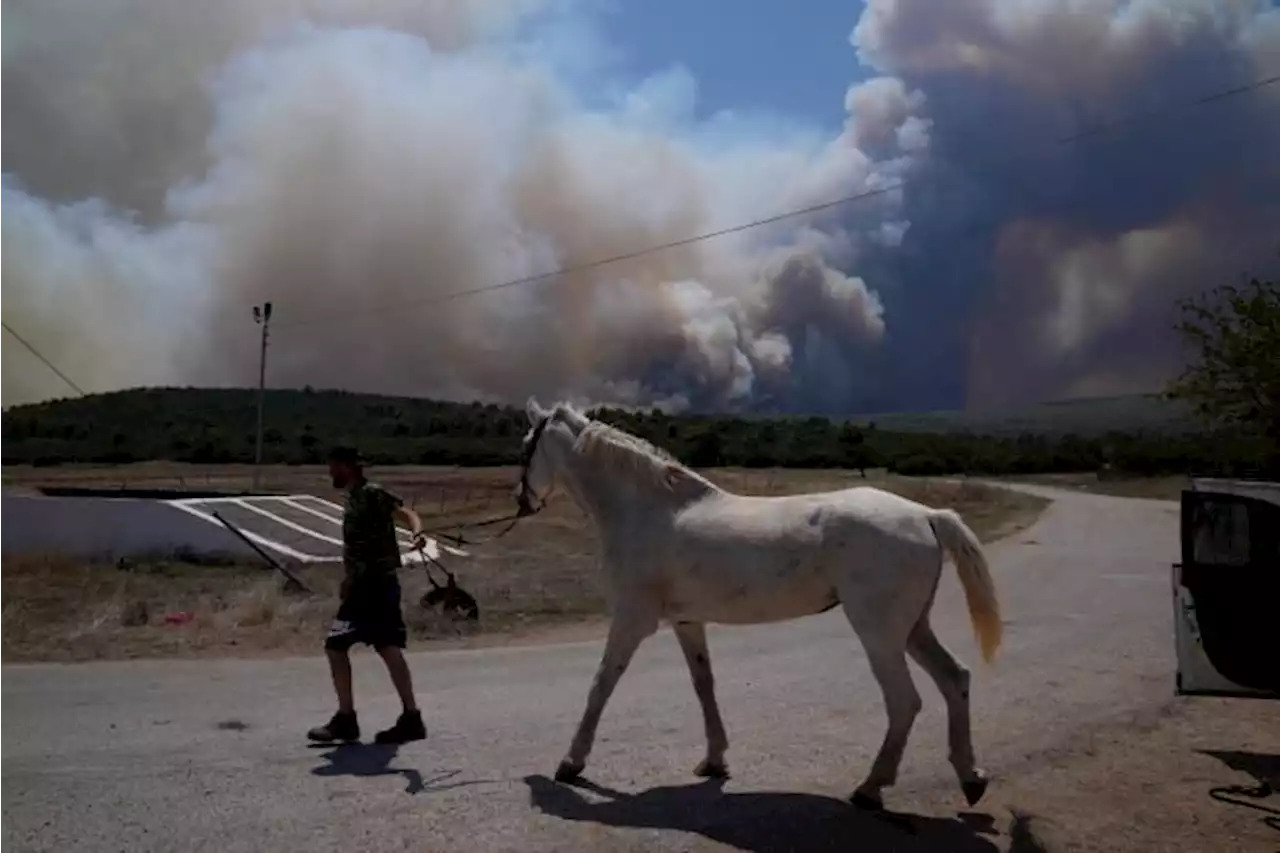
pixel 169 164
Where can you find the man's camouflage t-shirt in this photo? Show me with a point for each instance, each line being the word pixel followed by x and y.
pixel 369 545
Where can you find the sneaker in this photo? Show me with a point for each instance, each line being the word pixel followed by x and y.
pixel 407 728
pixel 343 727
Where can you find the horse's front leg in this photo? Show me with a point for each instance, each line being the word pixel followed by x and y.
pixel 626 632
pixel 693 642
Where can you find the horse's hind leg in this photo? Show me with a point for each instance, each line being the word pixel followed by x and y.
pixel 626 633
pixel 885 644
pixel 952 679
pixel 693 642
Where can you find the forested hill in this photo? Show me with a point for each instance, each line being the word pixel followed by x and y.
pixel 217 425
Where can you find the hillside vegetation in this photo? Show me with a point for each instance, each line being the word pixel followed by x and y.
pixel 1089 417
pixel 217 426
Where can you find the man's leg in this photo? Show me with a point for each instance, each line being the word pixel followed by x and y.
pixel 340 669
pixel 409 725
pixel 392 637
pixel 398 669
pixel 337 647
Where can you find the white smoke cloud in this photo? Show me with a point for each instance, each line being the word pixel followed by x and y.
pixel 361 161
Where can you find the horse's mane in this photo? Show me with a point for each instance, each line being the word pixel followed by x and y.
pixel 621 451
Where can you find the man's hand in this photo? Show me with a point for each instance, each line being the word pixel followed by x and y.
pixel 414 523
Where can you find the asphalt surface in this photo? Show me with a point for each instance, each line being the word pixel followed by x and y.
pixel 193 756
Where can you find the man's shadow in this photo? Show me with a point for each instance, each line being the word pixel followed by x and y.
pixel 763 821
pixel 374 759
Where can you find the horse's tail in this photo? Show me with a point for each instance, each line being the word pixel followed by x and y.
pixel 962 544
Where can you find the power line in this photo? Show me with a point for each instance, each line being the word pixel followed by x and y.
pixel 1094 131
pixel 47 363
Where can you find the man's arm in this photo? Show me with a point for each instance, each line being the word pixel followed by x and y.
pixel 407 515
pixel 410 518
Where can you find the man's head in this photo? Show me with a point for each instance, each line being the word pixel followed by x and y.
pixel 345 467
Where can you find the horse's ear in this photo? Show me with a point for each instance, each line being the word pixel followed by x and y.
pixel 673 474
pixel 565 413
pixel 534 411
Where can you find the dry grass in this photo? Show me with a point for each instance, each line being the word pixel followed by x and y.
pixel 1155 488
pixel 542 574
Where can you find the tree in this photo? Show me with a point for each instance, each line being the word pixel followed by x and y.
pixel 1235 376
pixel 707 451
pixel 853 448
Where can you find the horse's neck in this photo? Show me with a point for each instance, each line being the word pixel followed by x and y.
pixel 610 497
pixel 593 493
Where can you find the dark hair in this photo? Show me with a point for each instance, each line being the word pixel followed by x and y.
pixel 343 455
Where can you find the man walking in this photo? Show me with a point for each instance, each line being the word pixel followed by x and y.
pixel 370 608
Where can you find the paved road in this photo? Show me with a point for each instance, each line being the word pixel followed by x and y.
pixel 183 756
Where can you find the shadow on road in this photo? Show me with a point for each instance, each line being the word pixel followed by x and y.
pixel 764 821
pixel 1265 769
pixel 360 759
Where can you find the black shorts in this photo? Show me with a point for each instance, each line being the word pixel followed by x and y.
pixel 370 614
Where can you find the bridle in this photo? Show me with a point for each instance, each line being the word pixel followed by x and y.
pixel 525 506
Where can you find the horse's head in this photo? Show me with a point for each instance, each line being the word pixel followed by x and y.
pixel 551 433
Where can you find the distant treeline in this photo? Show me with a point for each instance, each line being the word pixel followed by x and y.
pixel 212 426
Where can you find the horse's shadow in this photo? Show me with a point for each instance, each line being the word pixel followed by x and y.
pixel 763 821
pixel 1265 769
pixel 360 759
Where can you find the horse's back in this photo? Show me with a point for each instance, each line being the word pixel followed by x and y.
pixel 807 518
pixel 742 559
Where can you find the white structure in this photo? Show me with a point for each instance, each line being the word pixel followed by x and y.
pixel 300 528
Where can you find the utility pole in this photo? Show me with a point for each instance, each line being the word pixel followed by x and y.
pixel 261 316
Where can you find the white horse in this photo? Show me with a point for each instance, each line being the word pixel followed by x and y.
pixel 678 548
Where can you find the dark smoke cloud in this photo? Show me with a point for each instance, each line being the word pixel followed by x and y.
pixel 169 164
pixel 1036 270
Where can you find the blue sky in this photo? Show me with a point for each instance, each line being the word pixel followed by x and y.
pixel 780 57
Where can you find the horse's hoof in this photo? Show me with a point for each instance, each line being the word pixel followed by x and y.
pixel 866 802
pixel 975 788
pixel 568 771
pixel 708 769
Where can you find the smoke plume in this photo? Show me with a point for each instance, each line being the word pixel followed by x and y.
pixel 357 162
pixel 1073 192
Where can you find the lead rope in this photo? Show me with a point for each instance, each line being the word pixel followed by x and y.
pixel 525 509
pixel 510 519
